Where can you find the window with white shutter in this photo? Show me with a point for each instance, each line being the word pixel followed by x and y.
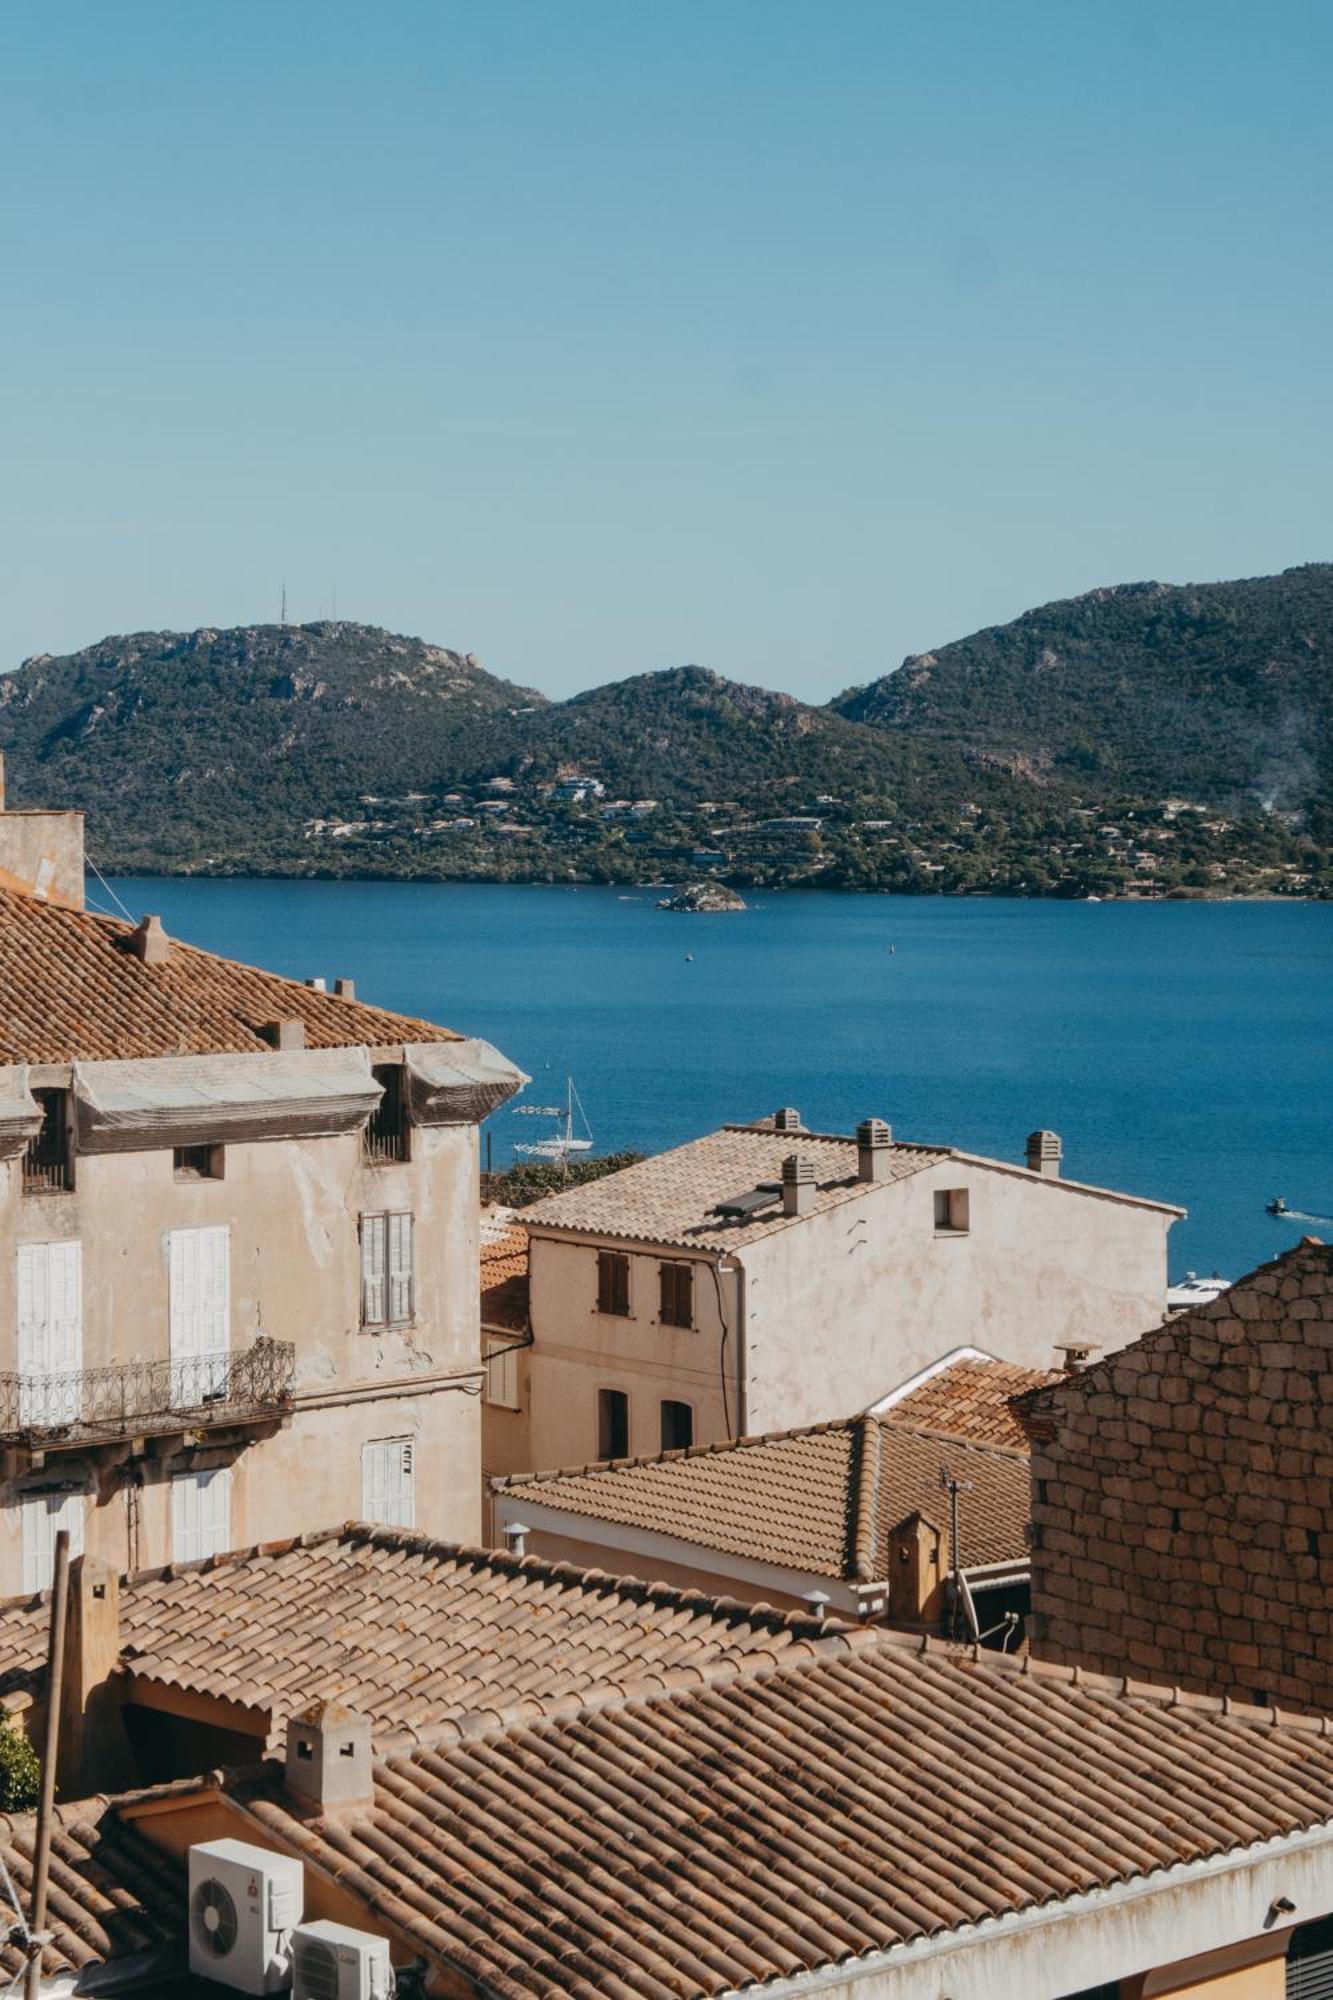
pixel 44 1515
pixel 200 1514
pixel 50 1332
pixel 502 1371
pixel 388 1285
pixel 388 1495
pixel 200 1313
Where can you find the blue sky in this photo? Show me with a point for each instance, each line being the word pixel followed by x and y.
pixel 595 336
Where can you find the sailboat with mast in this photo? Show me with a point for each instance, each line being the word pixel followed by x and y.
pixel 565 1141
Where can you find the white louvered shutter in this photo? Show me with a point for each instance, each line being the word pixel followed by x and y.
pixel 373 1264
pixel 50 1331
pixel 200 1312
pixel 200 1514
pixel 387 1482
pixel 400 1268
pixel 44 1515
pixel 502 1373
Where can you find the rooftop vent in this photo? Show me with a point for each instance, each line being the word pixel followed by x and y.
pixel 345 989
pixel 1043 1154
pixel 740 1207
pixel 516 1539
pixel 328 1760
pixel 798 1185
pixel 874 1144
pixel 150 942
pixel 787 1119
pixel 318 985
pixel 1075 1355
pixel 289 1034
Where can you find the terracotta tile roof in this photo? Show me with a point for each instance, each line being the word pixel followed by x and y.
pixel 71 990
pixel 670 1198
pixel 413 1632
pixel 773 1822
pixel 969 1398
pixel 113 1894
pixel 823 1500
pixel 504 1278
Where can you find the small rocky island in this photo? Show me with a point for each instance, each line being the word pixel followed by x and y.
pixel 703 898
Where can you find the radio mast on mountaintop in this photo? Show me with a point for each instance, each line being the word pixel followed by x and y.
pixel 283 619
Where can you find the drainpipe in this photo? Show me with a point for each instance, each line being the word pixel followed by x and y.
pixel 738 1423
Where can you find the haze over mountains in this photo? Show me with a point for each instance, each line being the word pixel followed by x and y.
pixel 342 748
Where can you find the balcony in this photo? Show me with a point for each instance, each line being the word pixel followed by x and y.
pixel 97 1406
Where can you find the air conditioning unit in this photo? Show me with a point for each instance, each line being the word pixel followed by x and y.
pixel 245 1902
pixel 331 1962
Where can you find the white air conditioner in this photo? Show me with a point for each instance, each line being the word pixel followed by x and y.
pixel 331 1962
pixel 245 1902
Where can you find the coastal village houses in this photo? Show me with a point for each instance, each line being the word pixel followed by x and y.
pixel 239 1255
pixel 516 1780
pixel 766 1277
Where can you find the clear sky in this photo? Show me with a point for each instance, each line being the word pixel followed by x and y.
pixel 595 336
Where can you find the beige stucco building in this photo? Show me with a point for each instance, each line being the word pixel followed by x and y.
pixel 238 1242
pixel 766 1277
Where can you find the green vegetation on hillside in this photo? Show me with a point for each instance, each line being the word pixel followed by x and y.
pixel 1144 740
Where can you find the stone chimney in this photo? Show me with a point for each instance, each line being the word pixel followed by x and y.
pixel 150 942
pixel 41 853
pixel 787 1119
pixel 288 1034
pixel 1044 1151
pixel 798 1185
pixel 94 1750
pixel 329 1762
pixel 874 1150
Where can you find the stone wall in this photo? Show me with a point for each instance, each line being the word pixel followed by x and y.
pixel 1183 1497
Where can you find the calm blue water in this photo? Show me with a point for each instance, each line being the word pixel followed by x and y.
pixel 1183 1050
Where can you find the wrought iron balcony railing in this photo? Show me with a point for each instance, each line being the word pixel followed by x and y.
pixel 90 1404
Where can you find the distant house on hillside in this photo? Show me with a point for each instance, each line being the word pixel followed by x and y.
pixel 766 1277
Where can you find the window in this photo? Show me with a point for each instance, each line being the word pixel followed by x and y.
pixel 44 1515
pixel 200 1514
pixel 199 1290
pixel 388 1495
pixel 388 1289
pixel 197 1163
pixel 50 1332
pixel 502 1371
pixel 48 1161
pixel 677 1294
pixel 612 1423
pixel 613 1283
pixel 387 1127
pixel 951 1212
pixel 677 1426
pixel 1310 1961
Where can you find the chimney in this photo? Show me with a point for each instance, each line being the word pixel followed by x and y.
pixel 1044 1150
pixel 1076 1354
pixel 874 1142
pixel 150 942
pixel 345 989
pixel 318 985
pixel 787 1119
pixel 283 1034
pixel 516 1539
pixel 94 1750
pixel 798 1185
pixel 329 1757
pixel 819 1602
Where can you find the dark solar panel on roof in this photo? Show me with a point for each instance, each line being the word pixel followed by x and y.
pixel 749 1204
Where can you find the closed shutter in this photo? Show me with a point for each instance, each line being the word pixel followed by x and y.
pixel 502 1373
pixel 50 1332
pixel 1310 1962
pixel 44 1515
pixel 200 1514
pixel 374 1261
pixel 200 1313
pixel 400 1268
pixel 388 1482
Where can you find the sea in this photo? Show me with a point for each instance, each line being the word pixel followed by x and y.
pixel 1182 1050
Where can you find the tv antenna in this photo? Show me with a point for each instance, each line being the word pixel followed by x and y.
pixel 283 619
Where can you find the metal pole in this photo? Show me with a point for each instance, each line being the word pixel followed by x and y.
pixel 55 1675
